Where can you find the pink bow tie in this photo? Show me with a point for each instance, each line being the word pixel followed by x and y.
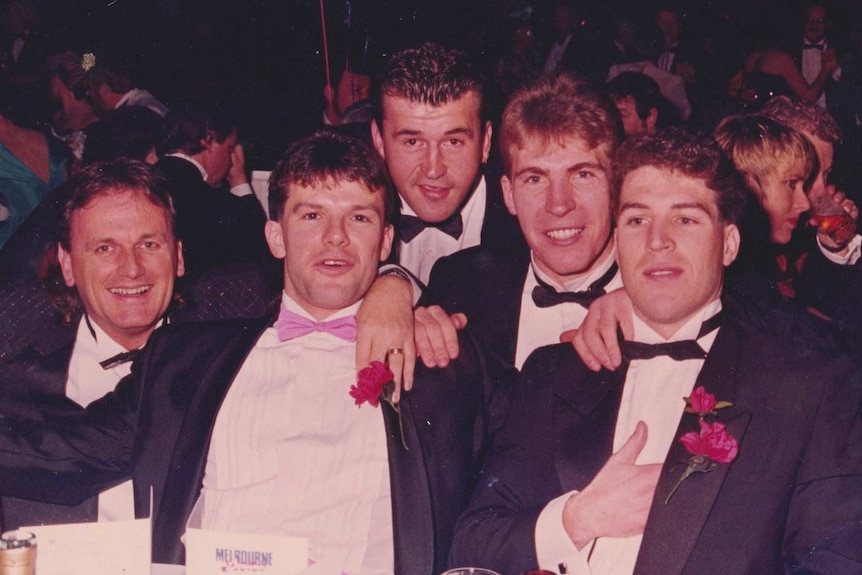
pixel 290 325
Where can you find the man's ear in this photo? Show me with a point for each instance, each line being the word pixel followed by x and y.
pixel 386 244
pixel 651 120
pixel 486 141
pixel 508 196
pixel 731 244
pixel 275 238
pixel 66 265
pixel 377 139
pixel 181 262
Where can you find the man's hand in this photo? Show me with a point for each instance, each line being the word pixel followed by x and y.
pixel 617 501
pixel 436 335
pixel 236 175
pixel 596 340
pixel 838 238
pixel 385 321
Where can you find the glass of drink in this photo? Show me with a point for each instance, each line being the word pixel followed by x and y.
pixel 17 553
pixel 469 571
pixel 831 219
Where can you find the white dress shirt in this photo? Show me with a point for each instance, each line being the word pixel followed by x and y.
pixel 653 393
pixel 422 252
pixel 291 454
pixel 239 190
pixel 812 63
pixel 542 326
pixel 88 381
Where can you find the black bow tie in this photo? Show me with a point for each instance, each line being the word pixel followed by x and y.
pixel 819 46
pixel 676 350
pixel 546 296
pixel 119 359
pixel 410 226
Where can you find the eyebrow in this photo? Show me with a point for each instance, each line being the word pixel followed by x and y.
pixel 576 168
pixel 353 207
pixel 679 206
pixel 453 132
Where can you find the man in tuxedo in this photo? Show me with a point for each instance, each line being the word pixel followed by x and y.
pixel 118 261
pixel 431 128
pixel 639 100
pixel 317 466
pixel 198 153
pixel 590 475
pixel 557 137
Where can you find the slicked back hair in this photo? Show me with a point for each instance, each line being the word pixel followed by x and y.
pixel 326 157
pixel 430 74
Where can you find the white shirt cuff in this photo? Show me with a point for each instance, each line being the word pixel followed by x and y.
pixel 553 546
pixel 854 250
pixel 241 190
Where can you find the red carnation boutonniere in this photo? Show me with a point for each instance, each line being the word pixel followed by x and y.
pixel 713 445
pixel 373 384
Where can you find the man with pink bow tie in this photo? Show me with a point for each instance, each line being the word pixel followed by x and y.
pixel 252 425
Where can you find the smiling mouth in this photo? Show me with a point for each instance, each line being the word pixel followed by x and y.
pixel 130 291
pixel 662 273
pixel 564 234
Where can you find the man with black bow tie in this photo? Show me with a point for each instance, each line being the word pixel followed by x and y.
pixel 430 127
pixel 718 450
pixel 253 426
pixel 558 136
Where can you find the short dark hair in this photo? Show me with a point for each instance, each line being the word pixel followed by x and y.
pixel 115 72
pixel 429 74
pixel 692 155
pixel 557 107
pixel 186 126
pixel 328 156
pixel 85 186
pixel 641 88
pixel 130 132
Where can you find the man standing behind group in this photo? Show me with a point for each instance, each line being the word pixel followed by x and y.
pixel 430 128
pixel 557 138
pixel 589 473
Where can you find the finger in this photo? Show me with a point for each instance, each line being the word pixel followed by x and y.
pixel 611 346
pixel 568 335
pixel 421 321
pixel 395 360
pixel 459 319
pixel 584 351
pixel 363 351
pixel 629 452
pixel 409 365
pixel 593 341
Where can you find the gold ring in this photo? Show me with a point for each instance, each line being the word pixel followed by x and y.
pixel 395 351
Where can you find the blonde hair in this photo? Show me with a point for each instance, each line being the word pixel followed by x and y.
pixel 759 147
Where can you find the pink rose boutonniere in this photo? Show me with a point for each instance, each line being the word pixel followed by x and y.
pixel 713 445
pixel 373 384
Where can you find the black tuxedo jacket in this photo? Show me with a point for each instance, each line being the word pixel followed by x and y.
pixel 499 227
pixel 485 284
pixel 788 502
pixel 156 429
pixel 217 228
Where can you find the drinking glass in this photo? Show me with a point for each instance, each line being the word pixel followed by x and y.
pixel 17 553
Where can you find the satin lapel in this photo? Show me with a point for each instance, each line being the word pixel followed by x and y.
pixel 412 515
pixel 584 420
pixel 46 375
pixel 673 529
pixel 188 459
pixel 507 306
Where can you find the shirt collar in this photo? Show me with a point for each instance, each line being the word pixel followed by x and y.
pixel 292 305
pixel 194 162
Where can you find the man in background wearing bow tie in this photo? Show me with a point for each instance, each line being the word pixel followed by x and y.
pixel 589 475
pixel 250 426
pixel 557 139
pixel 431 128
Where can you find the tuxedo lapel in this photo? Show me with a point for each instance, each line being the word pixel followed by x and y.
pixel 672 529
pixel 188 460
pixel 412 515
pixel 585 417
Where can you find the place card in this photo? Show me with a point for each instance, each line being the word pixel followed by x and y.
pixel 211 552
